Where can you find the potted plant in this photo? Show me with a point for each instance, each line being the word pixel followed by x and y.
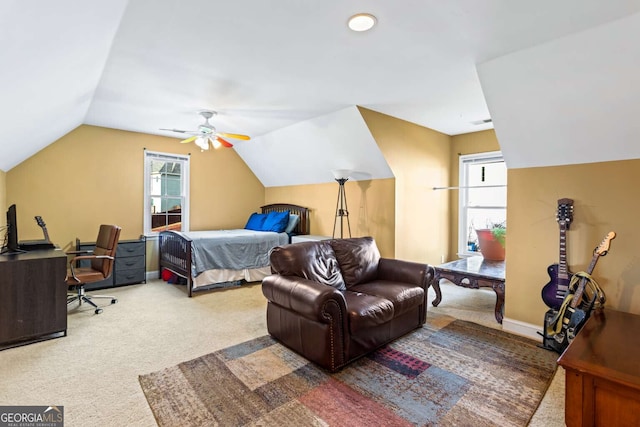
pixel 492 241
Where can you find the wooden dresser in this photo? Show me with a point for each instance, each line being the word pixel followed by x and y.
pixel 603 371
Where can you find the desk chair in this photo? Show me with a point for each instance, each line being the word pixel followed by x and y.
pixel 101 266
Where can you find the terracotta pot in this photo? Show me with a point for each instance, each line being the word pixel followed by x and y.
pixel 490 248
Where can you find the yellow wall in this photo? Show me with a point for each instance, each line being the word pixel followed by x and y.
pixel 419 159
pixel 370 203
pixel 604 201
pixel 468 143
pixel 94 175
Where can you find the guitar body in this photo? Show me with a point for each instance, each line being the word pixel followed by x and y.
pixel 572 323
pixel 577 319
pixel 553 293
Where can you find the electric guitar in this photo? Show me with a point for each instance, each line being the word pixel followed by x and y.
pixel 44 228
pixel 575 314
pixel 553 292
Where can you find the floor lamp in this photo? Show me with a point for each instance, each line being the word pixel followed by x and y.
pixel 342 211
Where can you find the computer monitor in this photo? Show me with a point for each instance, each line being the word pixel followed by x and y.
pixel 11 239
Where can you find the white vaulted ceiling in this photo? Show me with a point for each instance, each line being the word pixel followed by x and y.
pixel 578 103
pixel 551 74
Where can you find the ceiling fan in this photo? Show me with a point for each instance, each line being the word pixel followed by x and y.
pixel 207 134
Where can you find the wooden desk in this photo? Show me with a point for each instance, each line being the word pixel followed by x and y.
pixel 473 272
pixel 33 297
pixel 602 367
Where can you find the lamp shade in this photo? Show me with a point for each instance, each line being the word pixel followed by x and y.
pixel 341 173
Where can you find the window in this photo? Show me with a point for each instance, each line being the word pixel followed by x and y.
pixel 166 192
pixel 482 197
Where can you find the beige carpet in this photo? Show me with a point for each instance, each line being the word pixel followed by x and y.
pixel 93 372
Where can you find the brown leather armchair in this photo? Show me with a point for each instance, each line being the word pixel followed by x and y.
pixel 334 301
pixel 101 266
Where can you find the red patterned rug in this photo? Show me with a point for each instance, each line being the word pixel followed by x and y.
pixel 449 372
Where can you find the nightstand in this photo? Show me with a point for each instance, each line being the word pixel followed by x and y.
pixel 308 238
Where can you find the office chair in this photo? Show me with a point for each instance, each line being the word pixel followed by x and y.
pixel 100 268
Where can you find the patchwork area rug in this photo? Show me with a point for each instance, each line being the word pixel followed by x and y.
pixel 450 372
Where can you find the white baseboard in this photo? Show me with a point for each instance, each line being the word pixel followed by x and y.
pixel 521 328
pixel 152 275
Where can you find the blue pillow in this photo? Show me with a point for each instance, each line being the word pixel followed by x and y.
pixel 256 221
pixel 276 221
pixel 293 221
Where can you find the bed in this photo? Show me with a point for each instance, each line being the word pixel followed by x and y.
pixel 223 258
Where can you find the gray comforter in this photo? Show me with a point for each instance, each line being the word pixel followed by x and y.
pixel 232 249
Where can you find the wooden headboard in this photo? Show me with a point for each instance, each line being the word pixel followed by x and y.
pixel 303 226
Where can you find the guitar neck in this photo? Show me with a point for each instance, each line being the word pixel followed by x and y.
pixel 563 270
pixel 583 282
pixel 44 228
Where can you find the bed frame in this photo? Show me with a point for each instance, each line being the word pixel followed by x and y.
pixel 175 249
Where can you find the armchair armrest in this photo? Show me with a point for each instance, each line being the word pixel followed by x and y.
pixel 81 257
pixel 72 262
pixel 406 272
pixel 75 254
pixel 303 296
pixel 78 252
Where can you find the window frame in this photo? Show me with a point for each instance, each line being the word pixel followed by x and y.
pixel 463 195
pixel 184 160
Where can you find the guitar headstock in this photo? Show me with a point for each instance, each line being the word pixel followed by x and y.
pixel 564 215
pixel 40 221
pixel 603 247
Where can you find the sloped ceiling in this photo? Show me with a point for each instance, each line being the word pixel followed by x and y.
pixel 579 102
pixel 318 146
pixel 51 58
pixel 272 69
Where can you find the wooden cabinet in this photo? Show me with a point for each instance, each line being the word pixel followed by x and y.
pixel 130 263
pixel 33 297
pixel 603 371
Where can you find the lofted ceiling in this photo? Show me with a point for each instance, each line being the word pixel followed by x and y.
pixel 550 74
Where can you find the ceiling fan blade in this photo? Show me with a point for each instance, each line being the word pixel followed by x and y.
pixel 224 142
pixel 175 130
pixel 235 136
pixel 185 141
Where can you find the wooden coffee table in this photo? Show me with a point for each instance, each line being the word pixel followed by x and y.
pixel 473 272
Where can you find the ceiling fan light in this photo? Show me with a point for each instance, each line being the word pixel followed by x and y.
pixel 362 22
pixel 216 144
pixel 203 143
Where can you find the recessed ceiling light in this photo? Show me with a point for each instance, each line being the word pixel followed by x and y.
pixel 362 22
